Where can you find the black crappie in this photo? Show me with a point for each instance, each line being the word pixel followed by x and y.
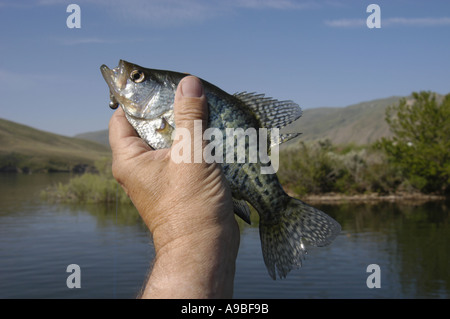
pixel 147 97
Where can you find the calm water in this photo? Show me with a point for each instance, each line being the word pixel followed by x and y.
pixel 113 249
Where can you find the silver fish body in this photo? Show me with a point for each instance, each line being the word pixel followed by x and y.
pixel 147 97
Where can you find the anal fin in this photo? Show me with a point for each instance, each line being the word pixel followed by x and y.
pixel 242 210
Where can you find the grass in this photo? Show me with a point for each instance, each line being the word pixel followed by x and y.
pixel 87 188
pixel 100 187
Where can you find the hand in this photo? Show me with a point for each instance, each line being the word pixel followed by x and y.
pixel 187 206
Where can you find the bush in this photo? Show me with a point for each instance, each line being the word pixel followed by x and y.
pixel 420 148
pixel 315 168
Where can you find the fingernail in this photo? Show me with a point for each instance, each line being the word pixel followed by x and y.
pixel 191 87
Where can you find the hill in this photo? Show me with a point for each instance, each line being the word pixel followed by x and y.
pixel 25 149
pixel 361 123
pixel 97 136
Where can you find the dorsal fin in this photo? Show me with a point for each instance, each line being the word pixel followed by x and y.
pixel 271 113
pixel 288 136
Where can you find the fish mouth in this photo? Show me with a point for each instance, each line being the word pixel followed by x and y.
pixel 115 78
pixel 125 92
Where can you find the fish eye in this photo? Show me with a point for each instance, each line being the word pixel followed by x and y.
pixel 137 76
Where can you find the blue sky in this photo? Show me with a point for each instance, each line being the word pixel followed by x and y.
pixel 317 53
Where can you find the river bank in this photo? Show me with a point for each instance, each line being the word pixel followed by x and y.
pixel 336 198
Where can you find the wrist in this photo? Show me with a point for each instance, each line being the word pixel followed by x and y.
pixel 198 265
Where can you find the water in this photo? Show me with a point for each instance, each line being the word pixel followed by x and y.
pixel 410 244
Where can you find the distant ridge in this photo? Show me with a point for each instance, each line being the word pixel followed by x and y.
pixel 26 149
pixel 361 124
pixel 100 137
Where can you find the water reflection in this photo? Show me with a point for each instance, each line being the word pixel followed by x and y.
pixel 416 239
pixel 111 244
pixel 39 240
pixel 107 214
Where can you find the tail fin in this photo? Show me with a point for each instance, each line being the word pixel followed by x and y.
pixel 281 239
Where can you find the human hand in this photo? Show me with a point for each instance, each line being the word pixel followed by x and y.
pixel 187 206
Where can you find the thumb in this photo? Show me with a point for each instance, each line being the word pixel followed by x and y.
pixel 191 115
pixel 190 103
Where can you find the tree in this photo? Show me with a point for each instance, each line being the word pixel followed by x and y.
pixel 420 146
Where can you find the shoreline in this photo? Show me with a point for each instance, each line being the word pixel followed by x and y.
pixel 336 198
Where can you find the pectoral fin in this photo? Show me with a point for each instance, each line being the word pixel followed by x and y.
pixel 165 129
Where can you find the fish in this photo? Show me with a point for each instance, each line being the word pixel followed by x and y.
pixel 147 98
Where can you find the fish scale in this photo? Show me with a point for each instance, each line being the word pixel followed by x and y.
pixel 147 97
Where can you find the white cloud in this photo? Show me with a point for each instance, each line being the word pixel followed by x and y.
pixel 164 12
pixel 272 4
pixel 176 12
pixel 171 12
pixel 18 80
pixel 87 40
pixel 346 23
pixel 419 22
pixel 415 22
pixel 96 40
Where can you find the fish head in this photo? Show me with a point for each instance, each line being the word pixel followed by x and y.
pixel 142 93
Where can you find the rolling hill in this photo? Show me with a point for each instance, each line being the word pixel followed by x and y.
pixel 361 123
pixel 96 136
pixel 25 149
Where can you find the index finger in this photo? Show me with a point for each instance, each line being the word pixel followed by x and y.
pixel 119 128
pixel 122 136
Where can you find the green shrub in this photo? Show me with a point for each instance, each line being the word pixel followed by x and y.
pixel 320 167
pixel 420 147
pixel 100 187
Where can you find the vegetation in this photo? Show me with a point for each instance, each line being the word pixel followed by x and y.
pixel 420 147
pixel 100 187
pixel 320 167
pixel 415 159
